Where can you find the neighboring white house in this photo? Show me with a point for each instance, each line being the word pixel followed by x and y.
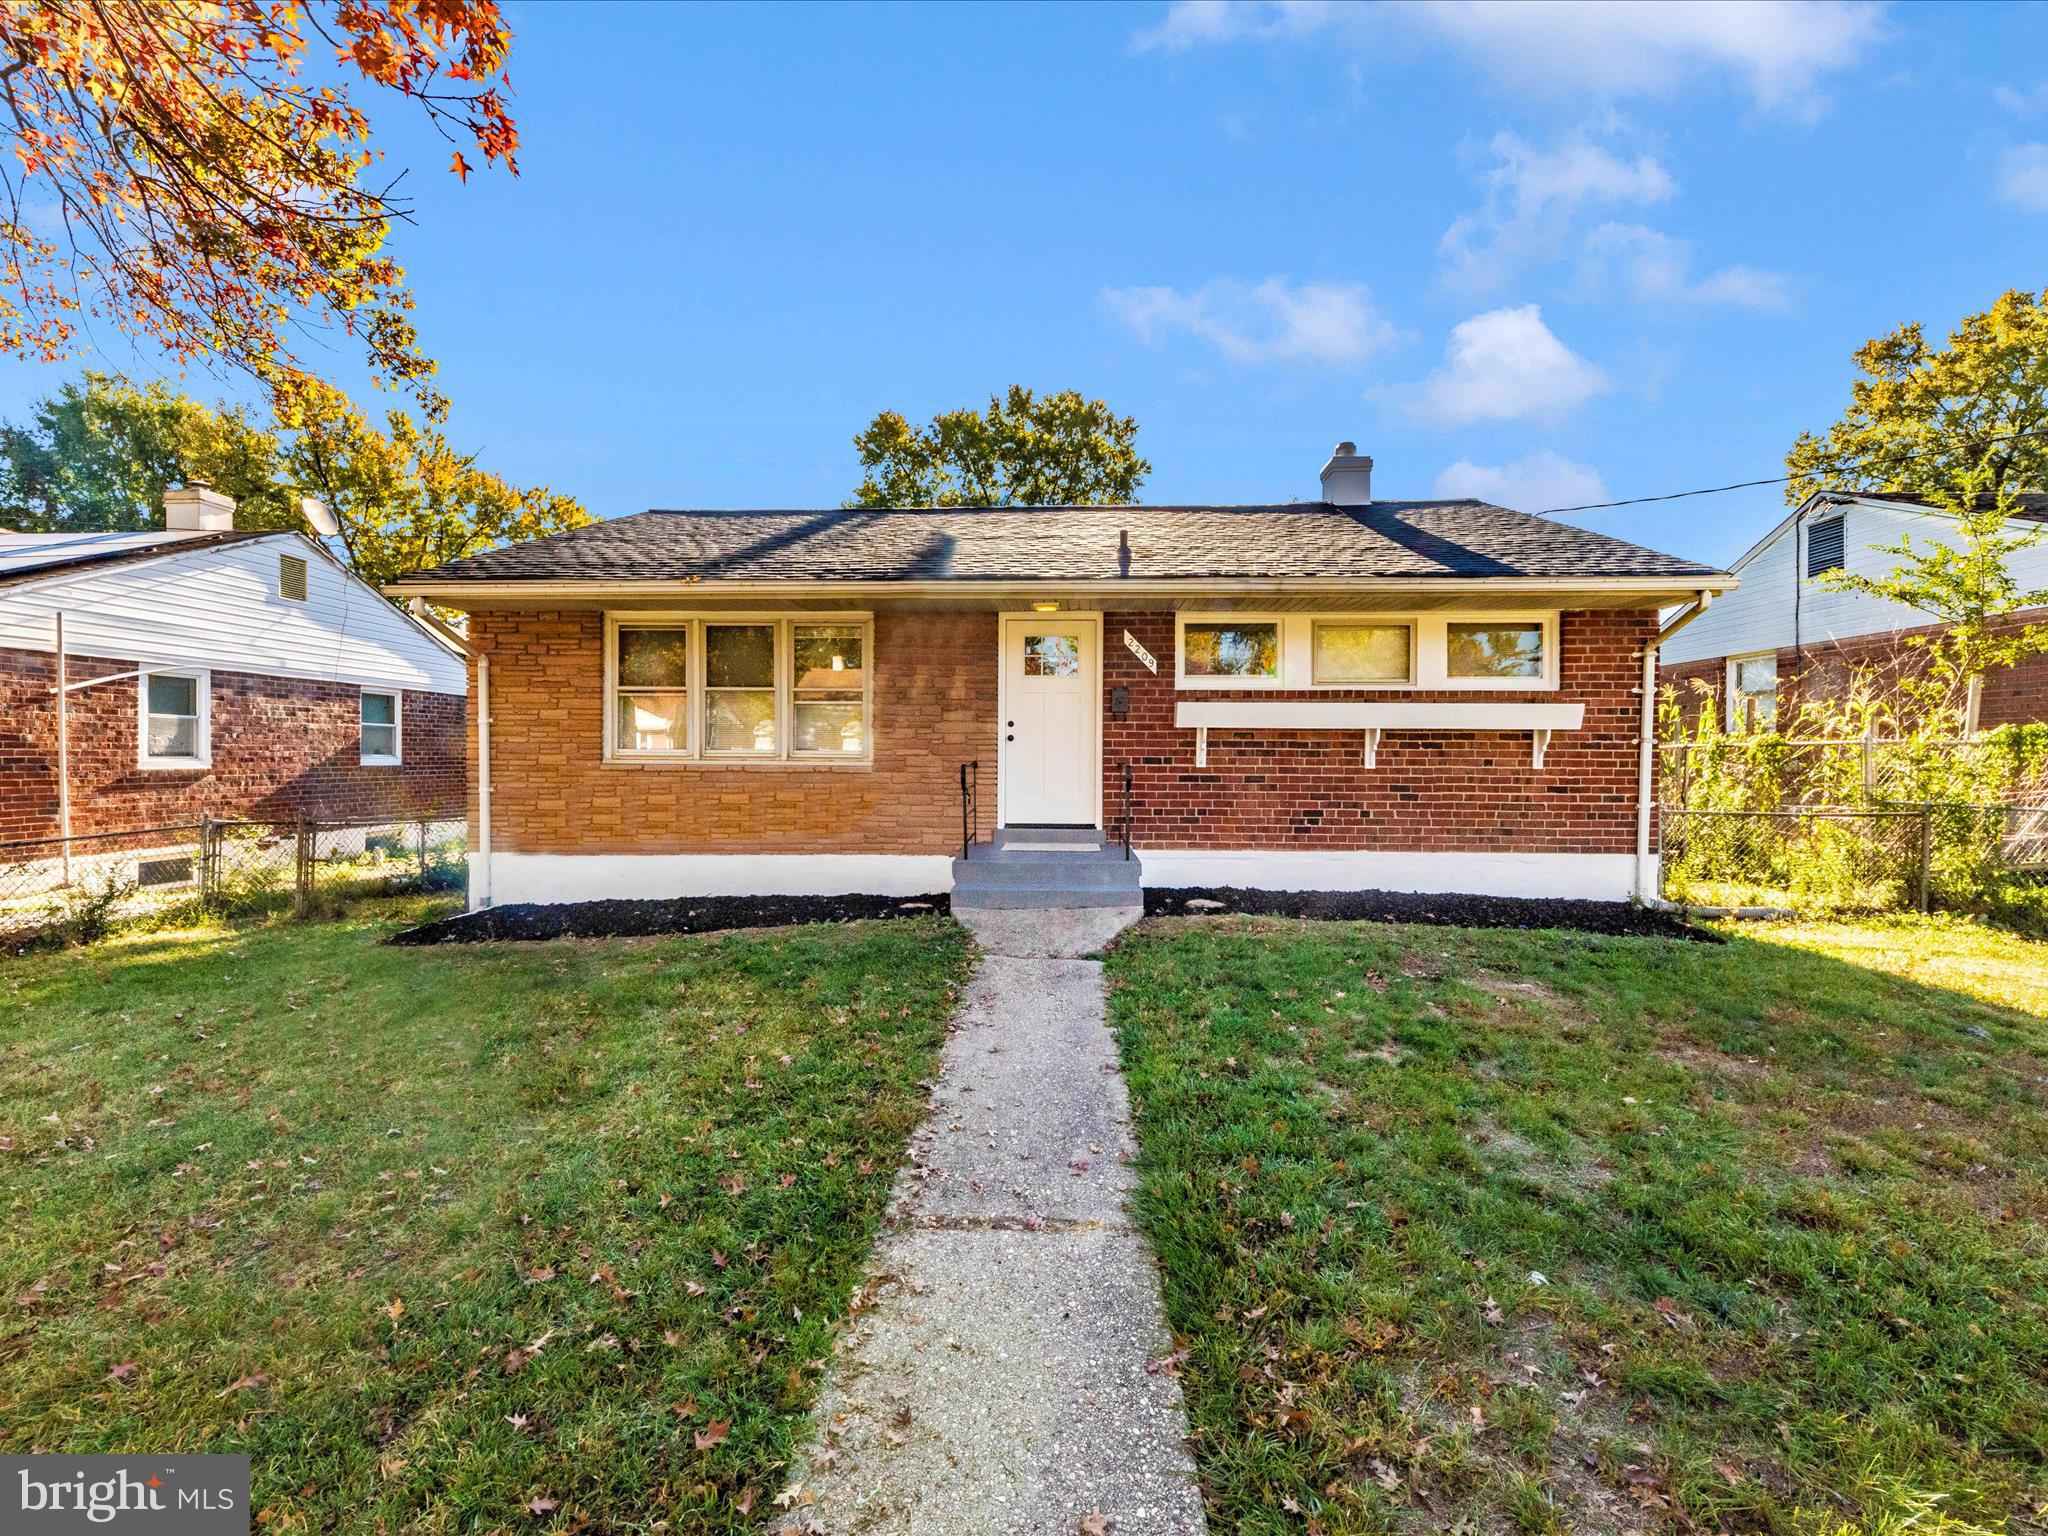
pixel 211 671
pixel 1782 620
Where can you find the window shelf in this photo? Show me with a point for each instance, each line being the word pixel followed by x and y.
pixel 1371 718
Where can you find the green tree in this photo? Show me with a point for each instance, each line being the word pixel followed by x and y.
pixel 1966 582
pixel 405 497
pixel 1027 450
pixel 1923 416
pixel 100 453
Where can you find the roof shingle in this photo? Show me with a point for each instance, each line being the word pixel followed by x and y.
pixel 1303 540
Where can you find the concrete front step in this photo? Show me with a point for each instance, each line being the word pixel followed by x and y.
pixel 1046 867
pixel 1045 897
pixel 1051 837
pixel 1065 877
pixel 984 856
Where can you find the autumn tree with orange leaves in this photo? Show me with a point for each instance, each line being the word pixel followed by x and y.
pixel 178 177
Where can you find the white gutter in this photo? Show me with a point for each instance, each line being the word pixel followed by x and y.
pixel 480 888
pixel 1700 606
pixel 418 611
pixel 1646 750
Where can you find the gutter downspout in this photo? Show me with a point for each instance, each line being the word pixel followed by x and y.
pixel 1646 751
pixel 63 753
pixel 480 887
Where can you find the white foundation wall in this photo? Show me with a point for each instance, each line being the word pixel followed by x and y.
pixel 1578 876
pixel 565 877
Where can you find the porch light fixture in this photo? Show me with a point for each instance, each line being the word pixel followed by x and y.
pixel 1045 607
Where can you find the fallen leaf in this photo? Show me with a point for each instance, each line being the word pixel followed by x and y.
pixel 238 1385
pixel 122 1371
pixel 540 1505
pixel 1096 1524
pixel 713 1434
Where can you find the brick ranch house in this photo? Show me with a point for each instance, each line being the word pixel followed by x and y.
pixel 1338 694
pixel 1784 635
pixel 213 672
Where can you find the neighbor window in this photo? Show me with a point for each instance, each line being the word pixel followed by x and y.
pixel 291 578
pixel 1509 652
pixel 773 689
pixel 380 719
pixel 1364 653
pixel 652 705
pixel 174 720
pixel 1752 692
pixel 1248 650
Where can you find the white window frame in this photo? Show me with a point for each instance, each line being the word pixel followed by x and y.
pixel 697 754
pixel 371 759
pixel 1545 682
pixel 1181 677
pixel 1730 715
pixel 1428 652
pixel 202 757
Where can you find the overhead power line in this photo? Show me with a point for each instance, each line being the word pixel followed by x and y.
pixel 1748 485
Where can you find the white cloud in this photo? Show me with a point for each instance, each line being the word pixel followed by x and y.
pixel 2023 177
pixel 1778 49
pixel 1532 198
pixel 1332 325
pixel 1657 268
pixel 1536 484
pixel 2022 101
pixel 1506 365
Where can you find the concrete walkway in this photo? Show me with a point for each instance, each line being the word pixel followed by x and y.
pixel 994 1380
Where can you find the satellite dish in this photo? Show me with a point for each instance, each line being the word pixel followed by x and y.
pixel 315 512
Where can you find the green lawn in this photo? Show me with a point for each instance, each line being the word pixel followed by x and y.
pixel 473 1238
pixel 1496 1231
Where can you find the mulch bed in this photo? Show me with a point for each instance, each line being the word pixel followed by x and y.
pixel 1618 918
pixel 639 919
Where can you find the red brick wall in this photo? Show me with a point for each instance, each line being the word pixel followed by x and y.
pixel 2012 695
pixel 1430 791
pixel 935 706
pixel 280 746
pixel 552 792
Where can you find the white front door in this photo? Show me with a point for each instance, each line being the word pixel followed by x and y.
pixel 1052 716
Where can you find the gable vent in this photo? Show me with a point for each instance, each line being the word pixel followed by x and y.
pixel 291 578
pixel 1824 546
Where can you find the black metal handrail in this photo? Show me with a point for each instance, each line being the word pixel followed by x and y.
pixel 1126 818
pixel 970 803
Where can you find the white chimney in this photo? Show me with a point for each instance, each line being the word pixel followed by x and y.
pixel 198 508
pixel 1347 478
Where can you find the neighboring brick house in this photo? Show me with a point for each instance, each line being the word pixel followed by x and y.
pixel 1785 634
pixel 1346 693
pixel 211 672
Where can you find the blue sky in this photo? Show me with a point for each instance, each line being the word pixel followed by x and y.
pixel 1537 253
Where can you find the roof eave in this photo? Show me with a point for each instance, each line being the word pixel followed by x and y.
pixel 1685 584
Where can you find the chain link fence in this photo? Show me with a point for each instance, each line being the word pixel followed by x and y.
pixel 1822 859
pixel 83 887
